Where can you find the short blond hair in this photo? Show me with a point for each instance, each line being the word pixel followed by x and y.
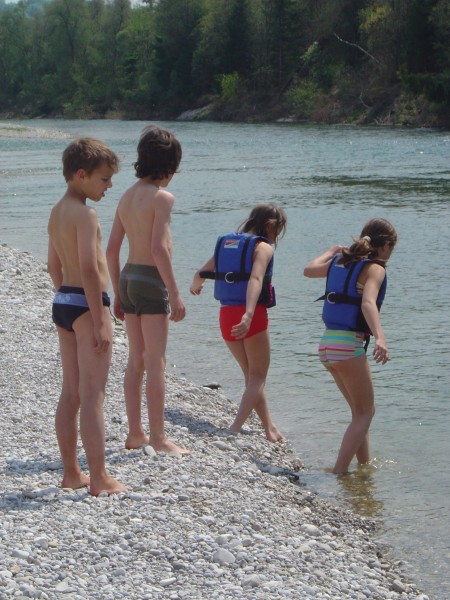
pixel 89 154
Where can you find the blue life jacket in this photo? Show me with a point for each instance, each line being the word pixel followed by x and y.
pixel 233 263
pixel 342 306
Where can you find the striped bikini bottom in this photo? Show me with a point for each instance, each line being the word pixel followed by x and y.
pixel 337 345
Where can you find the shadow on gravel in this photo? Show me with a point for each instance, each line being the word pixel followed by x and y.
pixel 19 504
pixel 202 425
pixel 32 465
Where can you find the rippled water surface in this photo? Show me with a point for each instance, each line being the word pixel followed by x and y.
pixel 330 180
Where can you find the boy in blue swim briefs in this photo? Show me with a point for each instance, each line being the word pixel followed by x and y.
pixel 77 266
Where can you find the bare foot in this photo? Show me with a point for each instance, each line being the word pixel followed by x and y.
pixel 166 445
pixel 228 431
pixel 106 484
pixel 75 481
pixel 133 442
pixel 273 434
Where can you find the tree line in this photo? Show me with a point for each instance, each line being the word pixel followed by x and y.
pixel 322 60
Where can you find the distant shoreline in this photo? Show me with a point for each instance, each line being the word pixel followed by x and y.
pixel 25 131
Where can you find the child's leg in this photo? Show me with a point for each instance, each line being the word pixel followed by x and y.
pixel 155 329
pixel 66 418
pixel 363 452
pixel 93 371
pixel 253 356
pixel 132 384
pixel 353 377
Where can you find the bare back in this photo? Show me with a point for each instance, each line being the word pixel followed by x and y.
pixel 137 210
pixel 76 238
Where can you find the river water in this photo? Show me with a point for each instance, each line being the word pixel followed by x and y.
pixel 330 180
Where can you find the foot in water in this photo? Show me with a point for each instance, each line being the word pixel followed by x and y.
pixel 273 434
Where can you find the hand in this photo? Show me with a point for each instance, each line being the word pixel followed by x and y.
pixel 196 290
pixel 102 338
pixel 240 330
pixel 177 308
pixel 197 285
pixel 118 312
pixel 380 352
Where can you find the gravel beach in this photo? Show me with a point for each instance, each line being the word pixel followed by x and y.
pixel 233 520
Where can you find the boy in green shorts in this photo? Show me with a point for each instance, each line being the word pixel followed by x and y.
pixel 146 290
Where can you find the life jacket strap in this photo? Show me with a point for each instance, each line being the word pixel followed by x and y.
pixel 339 298
pixel 230 277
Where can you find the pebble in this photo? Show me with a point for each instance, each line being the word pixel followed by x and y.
pixel 213 525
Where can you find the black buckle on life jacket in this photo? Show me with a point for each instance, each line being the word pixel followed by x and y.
pixel 339 298
pixel 229 277
pixel 326 297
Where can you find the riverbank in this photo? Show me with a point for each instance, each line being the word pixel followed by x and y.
pixel 231 521
pixel 390 110
pixel 24 131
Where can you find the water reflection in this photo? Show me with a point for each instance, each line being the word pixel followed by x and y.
pixel 389 192
pixel 401 185
pixel 358 489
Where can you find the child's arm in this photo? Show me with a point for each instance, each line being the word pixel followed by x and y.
pixel 375 277
pixel 262 255
pixel 113 259
pixel 54 266
pixel 160 248
pixel 87 232
pixel 198 282
pixel 318 267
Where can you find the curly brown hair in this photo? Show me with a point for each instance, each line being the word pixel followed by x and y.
pixel 159 153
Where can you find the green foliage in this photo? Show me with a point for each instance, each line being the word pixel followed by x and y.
pixel 158 58
pixel 229 86
pixel 435 87
pixel 223 44
pixel 302 97
pixel 321 69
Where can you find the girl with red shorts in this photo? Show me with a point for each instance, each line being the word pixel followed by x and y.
pixel 244 324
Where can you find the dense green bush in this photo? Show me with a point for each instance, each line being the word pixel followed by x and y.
pixel 159 58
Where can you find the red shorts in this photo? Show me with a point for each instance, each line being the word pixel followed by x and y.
pixel 232 315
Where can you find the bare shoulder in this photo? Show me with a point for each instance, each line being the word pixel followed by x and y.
pixel 81 214
pixel 163 204
pixel 69 214
pixel 374 272
pixel 164 197
pixel 264 248
pixel 263 251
